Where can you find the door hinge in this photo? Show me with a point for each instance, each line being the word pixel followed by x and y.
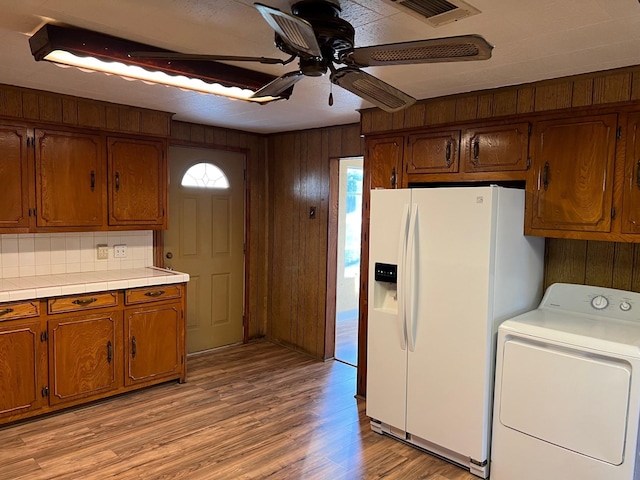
pixel 44 392
pixel 528 163
pixel 619 133
pixel 613 212
pixel 44 336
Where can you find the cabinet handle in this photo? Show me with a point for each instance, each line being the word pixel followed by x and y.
pixel 476 151
pixel 448 153
pixel 545 175
pixel 638 174
pixel 117 181
pixel 93 180
pixel 156 293
pixel 393 177
pixel 5 311
pixel 83 302
pixel 134 347
pixel 109 351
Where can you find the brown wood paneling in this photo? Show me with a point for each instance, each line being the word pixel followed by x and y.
pixel 441 111
pixel 129 120
pixel 112 114
pixel 381 121
pixel 525 103
pixel 30 105
pixel 91 114
pixel 10 101
pixel 485 105
pixel 505 102
pixel 413 117
pixel 155 123
pixel 635 85
pixel 467 108
pixel 553 96
pixel 609 88
pixel 69 111
pixel 582 92
pixel 565 261
pixel 623 266
pixel 599 264
pixel 50 107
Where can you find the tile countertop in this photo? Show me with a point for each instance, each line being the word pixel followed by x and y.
pixel 43 286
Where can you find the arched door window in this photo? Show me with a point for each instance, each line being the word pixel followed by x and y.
pixel 205 175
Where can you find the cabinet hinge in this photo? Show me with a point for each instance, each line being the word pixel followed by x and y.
pixel 44 392
pixel 619 133
pixel 44 336
pixel 613 212
pixel 528 163
pixel 28 141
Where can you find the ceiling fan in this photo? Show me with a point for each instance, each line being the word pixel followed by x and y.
pixel 315 34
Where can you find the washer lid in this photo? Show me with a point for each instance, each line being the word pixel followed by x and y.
pixel 571 399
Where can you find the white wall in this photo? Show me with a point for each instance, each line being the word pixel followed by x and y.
pixel 26 255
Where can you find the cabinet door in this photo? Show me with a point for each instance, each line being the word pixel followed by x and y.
pixel 384 160
pixel 497 148
pixel 154 349
pixel 70 179
pixel 433 152
pixel 22 367
pixel 84 356
pixel 571 182
pixel 14 194
pixel 631 188
pixel 137 182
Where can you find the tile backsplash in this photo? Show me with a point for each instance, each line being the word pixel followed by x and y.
pixel 26 255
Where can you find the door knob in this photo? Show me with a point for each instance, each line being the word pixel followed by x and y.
pixel 169 255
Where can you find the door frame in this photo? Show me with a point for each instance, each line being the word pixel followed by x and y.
pixel 158 235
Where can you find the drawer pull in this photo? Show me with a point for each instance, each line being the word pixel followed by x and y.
pixel 156 293
pixel 5 311
pixel 638 174
pixel 109 351
pixel 134 347
pixel 83 302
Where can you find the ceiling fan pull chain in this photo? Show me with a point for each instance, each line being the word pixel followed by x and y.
pixel 331 94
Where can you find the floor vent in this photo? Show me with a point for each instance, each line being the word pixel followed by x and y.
pixel 436 12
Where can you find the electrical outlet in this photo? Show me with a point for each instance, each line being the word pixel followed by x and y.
pixel 103 251
pixel 120 251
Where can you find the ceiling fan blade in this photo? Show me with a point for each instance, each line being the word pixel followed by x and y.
pixel 280 85
pixel 372 89
pixel 294 31
pixel 204 57
pixel 446 49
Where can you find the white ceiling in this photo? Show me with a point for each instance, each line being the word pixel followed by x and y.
pixel 533 40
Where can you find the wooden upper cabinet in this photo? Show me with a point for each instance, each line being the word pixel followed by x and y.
pixel 14 169
pixel 70 179
pixel 433 152
pixel 85 356
pixel 384 159
pixel 137 182
pixel 496 148
pixel 631 187
pixel 571 179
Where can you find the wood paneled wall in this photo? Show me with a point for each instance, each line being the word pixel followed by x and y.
pixel 254 148
pixel 298 181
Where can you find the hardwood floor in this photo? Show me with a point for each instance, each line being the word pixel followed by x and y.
pixel 246 412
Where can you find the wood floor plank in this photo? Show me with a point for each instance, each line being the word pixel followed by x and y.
pixel 256 411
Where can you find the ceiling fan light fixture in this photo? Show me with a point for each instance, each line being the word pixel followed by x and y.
pixel 92 51
pixel 372 89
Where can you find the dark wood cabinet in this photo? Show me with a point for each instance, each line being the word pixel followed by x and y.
pixel 571 179
pixel 631 178
pixel 496 148
pixel 85 356
pixel 433 152
pixel 137 182
pixel 23 357
pixel 70 179
pixel 384 160
pixel 14 170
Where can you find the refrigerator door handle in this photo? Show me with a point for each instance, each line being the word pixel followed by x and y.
pixel 410 278
pixel 402 253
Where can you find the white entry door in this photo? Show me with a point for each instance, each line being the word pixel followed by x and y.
pixel 206 240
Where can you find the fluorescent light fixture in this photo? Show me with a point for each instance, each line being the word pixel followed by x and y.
pixel 93 51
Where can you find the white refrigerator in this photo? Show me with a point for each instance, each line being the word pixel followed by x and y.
pixel 447 266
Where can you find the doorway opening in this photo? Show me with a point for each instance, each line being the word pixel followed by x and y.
pixel 348 259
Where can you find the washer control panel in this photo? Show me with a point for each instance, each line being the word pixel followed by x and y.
pixel 605 302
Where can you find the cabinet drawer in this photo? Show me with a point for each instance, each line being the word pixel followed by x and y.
pixel 79 303
pixel 152 294
pixel 11 311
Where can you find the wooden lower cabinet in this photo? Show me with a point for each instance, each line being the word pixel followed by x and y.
pixel 154 337
pixel 85 356
pixel 23 367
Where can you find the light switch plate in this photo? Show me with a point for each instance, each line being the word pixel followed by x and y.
pixel 120 251
pixel 102 251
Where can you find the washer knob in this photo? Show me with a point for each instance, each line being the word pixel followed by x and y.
pixel 625 306
pixel 599 302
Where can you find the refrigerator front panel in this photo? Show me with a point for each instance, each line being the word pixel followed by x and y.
pixel 447 369
pixel 386 342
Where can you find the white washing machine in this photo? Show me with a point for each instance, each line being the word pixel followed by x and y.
pixel 567 389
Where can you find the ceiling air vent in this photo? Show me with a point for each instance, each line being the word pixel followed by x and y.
pixel 436 12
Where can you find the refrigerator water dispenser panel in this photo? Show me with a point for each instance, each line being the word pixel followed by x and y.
pixel 386 272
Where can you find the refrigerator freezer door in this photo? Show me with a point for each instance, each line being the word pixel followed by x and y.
pixel 386 337
pixel 447 371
